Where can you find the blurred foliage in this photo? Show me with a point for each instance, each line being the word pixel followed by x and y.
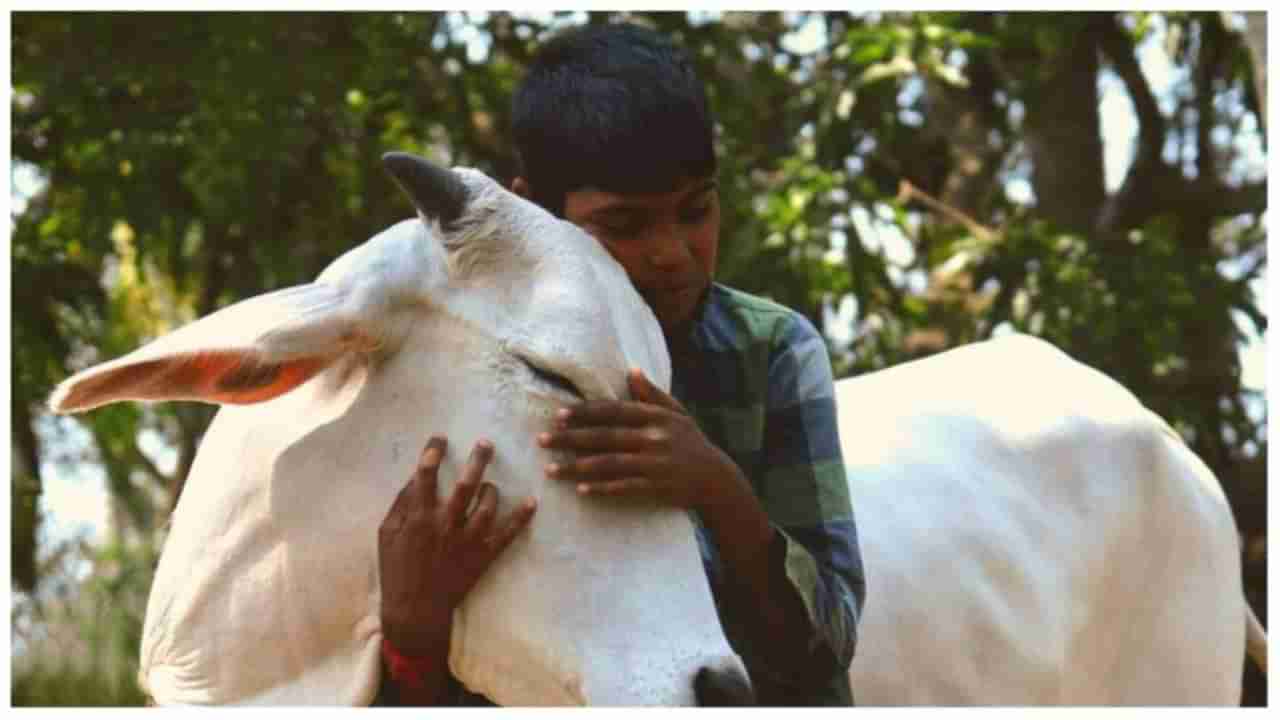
pixel 938 177
pixel 80 640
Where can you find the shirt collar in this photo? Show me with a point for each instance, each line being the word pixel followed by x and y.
pixel 689 341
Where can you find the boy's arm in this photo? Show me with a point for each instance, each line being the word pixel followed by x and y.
pixel 813 556
pixel 431 552
pixel 785 537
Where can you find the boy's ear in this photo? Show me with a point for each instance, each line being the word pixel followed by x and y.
pixel 520 186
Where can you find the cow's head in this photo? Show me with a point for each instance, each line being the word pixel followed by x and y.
pixel 478 319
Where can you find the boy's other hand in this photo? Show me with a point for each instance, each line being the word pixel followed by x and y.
pixel 647 446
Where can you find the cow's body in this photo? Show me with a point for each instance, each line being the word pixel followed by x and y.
pixel 1030 533
pixel 1033 535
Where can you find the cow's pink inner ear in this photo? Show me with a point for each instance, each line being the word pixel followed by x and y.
pixel 235 377
pixel 243 378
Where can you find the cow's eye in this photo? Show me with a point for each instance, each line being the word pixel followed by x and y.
pixel 557 381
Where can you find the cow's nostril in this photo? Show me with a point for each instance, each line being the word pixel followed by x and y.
pixel 723 687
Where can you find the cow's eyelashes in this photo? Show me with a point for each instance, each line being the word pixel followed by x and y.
pixel 553 379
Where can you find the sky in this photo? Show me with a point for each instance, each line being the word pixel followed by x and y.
pixel 74 497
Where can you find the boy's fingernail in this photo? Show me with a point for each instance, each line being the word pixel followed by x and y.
pixel 544 439
pixel 553 469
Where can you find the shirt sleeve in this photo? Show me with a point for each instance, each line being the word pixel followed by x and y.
pixel 804 491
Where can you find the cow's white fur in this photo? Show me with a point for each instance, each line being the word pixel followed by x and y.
pixel 267 588
pixel 1033 535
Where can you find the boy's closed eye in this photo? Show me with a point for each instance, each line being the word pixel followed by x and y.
pixel 623 219
pixel 620 222
pixel 695 214
pixel 699 204
pixel 627 224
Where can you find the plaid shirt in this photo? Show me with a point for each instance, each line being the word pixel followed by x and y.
pixel 756 377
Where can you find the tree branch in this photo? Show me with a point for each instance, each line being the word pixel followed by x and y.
pixel 1255 39
pixel 907 191
pixel 1120 50
pixel 1213 40
pixel 1132 204
pixel 140 458
pixel 25 496
pixel 1222 200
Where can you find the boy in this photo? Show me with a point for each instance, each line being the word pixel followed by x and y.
pixel 614 134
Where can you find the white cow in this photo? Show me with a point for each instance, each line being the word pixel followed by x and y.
pixel 1033 535
pixel 474 320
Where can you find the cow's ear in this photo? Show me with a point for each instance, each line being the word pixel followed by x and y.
pixel 252 351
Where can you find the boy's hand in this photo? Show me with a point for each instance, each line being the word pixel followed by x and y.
pixel 431 551
pixel 648 446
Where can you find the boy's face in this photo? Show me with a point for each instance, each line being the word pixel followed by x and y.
pixel 667 242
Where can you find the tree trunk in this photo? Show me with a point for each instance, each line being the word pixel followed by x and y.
pixel 1255 36
pixel 24 497
pixel 1063 132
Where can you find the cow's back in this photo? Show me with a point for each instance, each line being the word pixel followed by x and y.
pixel 1032 535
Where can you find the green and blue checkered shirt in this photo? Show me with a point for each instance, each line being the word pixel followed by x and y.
pixel 756 377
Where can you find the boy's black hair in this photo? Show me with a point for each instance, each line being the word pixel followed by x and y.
pixel 615 107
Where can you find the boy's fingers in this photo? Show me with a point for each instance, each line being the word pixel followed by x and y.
pixel 481 518
pixel 468 484
pixel 596 439
pixel 622 486
pixel 599 468
pixel 644 390
pixel 625 413
pixel 420 490
pixel 426 476
pixel 516 522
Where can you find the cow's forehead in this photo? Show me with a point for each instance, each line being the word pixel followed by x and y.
pixel 565 290
pixel 495 213
pixel 502 235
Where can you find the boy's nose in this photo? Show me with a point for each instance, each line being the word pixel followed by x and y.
pixel 672 251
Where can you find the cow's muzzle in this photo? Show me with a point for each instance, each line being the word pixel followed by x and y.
pixel 723 687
